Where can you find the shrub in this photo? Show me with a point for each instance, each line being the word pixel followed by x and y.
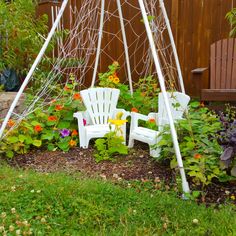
pixel 197 136
pixel 227 139
pixel 20 32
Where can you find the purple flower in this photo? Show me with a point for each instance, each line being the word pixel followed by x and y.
pixel 64 133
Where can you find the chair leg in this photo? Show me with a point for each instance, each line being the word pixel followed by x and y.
pixel 131 143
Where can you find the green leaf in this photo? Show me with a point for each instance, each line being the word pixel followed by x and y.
pixel 37 143
pixel 13 139
pixel 22 138
pixel 10 154
pixel 63 125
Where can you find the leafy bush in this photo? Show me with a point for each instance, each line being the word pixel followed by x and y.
pixel 227 139
pixel 198 144
pixel 20 32
pixel 53 127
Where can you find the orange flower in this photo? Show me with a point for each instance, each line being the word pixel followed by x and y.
pixel 72 143
pixel 77 96
pixel 134 109
pixel 38 128
pixel 58 107
pixel 52 118
pixel 66 88
pixel 53 101
pixel 202 104
pixel 152 120
pixel 74 133
pixel 11 123
pixel 197 156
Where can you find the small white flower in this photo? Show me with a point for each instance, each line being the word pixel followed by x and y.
pixel 227 192
pixel 115 176
pixel 149 172
pixel 43 220
pixel 32 191
pixel 134 211
pixel 3 215
pixel 13 188
pixel 11 228
pixel 25 222
pixel 119 179
pixel 195 221
pixel 18 232
pixel 2 228
pixel 13 210
pixel 38 191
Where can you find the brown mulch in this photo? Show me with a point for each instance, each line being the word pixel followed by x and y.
pixel 136 166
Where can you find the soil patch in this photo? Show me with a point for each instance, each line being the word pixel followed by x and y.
pixel 138 165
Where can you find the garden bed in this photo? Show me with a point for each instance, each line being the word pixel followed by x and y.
pixel 137 166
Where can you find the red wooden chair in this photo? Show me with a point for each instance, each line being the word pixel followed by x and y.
pixel 222 72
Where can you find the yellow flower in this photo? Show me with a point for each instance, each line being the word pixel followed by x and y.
pixel 111 78
pixel 116 80
pixel 117 122
pixel 232 197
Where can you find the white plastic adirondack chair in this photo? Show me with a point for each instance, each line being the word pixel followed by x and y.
pixel 178 104
pixel 101 106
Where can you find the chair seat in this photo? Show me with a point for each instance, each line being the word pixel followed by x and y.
pixel 99 130
pixel 145 135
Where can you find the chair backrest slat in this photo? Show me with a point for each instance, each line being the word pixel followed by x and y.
pixel 223 64
pixel 100 103
pixel 178 104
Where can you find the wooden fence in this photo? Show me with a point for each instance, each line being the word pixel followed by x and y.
pixel 196 24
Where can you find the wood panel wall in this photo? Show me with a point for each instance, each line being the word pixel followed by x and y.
pixel 196 24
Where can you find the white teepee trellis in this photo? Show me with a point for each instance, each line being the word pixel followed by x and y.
pixel 157 64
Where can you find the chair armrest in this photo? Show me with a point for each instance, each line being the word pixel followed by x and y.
pixel 125 113
pixel 80 117
pixel 199 70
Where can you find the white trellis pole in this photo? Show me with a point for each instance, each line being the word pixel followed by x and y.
pixel 185 185
pixel 125 45
pixel 100 34
pixel 180 76
pixel 32 69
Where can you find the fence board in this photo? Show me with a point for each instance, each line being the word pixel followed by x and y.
pixel 196 24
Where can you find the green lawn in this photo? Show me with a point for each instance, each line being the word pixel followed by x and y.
pixel 60 204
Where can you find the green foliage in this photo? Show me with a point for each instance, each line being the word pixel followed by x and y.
pixel 20 32
pixel 111 144
pixel 60 204
pixel 198 144
pixel 231 17
pixel 53 127
pixel 144 98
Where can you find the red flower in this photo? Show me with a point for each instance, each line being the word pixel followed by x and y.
pixel 77 96
pixel 197 156
pixel 134 109
pixel 52 118
pixel 152 120
pixel 38 128
pixel 58 107
pixel 74 133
